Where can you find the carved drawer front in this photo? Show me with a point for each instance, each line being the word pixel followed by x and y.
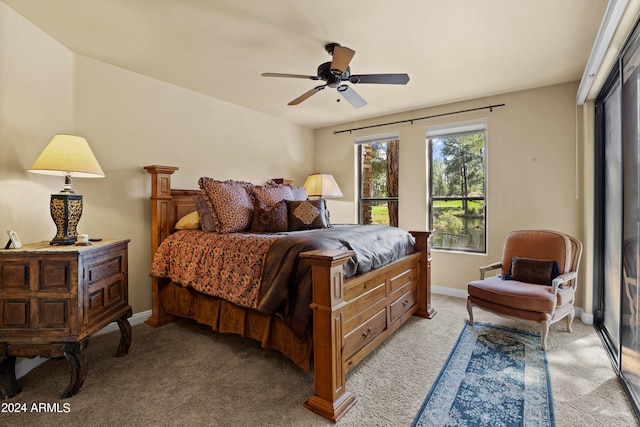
pixel 403 304
pixel 14 275
pixel 34 293
pixel 54 275
pixel 15 313
pixel 54 313
pixel 105 284
pixel 364 334
pixel 355 289
pixel 363 308
pixel 403 279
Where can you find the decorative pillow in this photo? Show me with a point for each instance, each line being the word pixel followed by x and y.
pixel 272 194
pixel 299 193
pixel 269 219
pixel 208 220
pixel 530 270
pixel 205 179
pixel 190 221
pixel 231 202
pixel 307 214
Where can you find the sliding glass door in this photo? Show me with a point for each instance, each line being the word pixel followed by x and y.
pixel 617 301
pixel 612 204
pixel 630 343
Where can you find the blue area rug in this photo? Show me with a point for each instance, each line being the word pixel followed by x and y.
pixel 494 376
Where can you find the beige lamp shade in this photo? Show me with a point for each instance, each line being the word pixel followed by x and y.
pixel 322 185
pixel 68 155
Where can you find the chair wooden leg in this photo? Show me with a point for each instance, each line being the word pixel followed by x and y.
pixel 470 310
pixel 545 332
pixel 570 317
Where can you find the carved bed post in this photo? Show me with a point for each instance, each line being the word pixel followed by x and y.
pixel 423 244
pixel 331 400
pixel 161 221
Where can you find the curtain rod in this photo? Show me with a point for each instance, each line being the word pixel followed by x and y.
pixel 488 107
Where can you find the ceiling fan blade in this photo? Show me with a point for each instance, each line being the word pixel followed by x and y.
pixel 341 58
pixel 295 76
pixel 352 96
pixel 389 79
pixel 306 95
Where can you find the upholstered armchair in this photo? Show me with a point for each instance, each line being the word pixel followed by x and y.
pixel 538 279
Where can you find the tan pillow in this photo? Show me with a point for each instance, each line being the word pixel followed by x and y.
pixel 190 221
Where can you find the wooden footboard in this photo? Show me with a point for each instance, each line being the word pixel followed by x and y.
pixel 351 317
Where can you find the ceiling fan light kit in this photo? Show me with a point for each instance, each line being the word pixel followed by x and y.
pixel 336 72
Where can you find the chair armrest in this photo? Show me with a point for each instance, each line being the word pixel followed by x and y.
pixel 563 278
pixel 489 267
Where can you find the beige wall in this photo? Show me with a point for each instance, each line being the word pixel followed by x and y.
pixel 130 121
pixel 534 173
pixel 36 88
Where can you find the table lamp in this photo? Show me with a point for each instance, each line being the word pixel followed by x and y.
pixel 322 185
pixel 69 156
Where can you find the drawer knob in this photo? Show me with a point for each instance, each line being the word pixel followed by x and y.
pixel 366 334
pixel 405 303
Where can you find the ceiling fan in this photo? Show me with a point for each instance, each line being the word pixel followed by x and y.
pixel 336 72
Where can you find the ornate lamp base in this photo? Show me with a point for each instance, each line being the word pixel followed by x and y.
pixel 66 209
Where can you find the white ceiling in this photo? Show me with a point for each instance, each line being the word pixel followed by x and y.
pixel 452 50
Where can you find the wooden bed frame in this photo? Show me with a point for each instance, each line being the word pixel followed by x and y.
pixel 351 317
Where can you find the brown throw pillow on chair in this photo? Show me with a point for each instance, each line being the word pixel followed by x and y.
pixel 541 272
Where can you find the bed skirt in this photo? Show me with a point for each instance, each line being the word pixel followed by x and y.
pixel 224 317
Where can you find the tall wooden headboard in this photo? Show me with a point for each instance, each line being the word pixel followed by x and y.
pixel 167 205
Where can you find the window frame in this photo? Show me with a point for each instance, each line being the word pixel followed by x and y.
pixel 359 142
pixel 452 130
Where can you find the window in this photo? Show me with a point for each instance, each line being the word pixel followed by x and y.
pixel 457 205
pixel 378 193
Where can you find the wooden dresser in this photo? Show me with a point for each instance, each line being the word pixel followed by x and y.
pixel 53 298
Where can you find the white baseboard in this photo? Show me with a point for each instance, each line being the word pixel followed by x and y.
pixel 26 365
pixel 450 292
pixel 586 318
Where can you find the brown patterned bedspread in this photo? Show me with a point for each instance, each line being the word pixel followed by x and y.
pixel 263 271
pixel 227 266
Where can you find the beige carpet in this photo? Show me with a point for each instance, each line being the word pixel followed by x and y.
pixel 186 375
